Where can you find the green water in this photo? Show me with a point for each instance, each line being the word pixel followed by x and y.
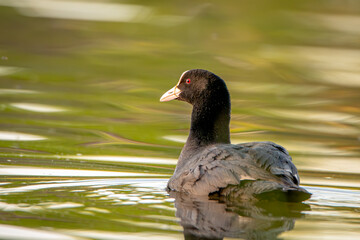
pixel 86 147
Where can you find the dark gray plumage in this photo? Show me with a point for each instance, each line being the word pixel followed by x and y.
pixel 209 164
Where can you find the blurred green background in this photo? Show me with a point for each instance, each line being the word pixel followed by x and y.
pixel 81 81
pixel 292 69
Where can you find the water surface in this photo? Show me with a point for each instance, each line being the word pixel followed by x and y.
pixel 86 147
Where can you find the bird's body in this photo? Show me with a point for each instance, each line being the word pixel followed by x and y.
pixel 209 164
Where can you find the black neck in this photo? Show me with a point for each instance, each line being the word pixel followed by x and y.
pixel 209 125
pixel 210 122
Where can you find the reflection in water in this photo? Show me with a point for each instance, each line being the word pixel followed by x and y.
pixel 16 136
pixel 93 11
pixel 331 197
pixel 338 22
pixel 334 66
pixel 133 208
pixel 81 10
pixel 91 234
pixel 176 138
pixel 93 183
pixel 293 73
pixel 16 91
pixel 316 115
pixel 27 171
pixel 209 219
pixel 15 232
pixel 127 159
pixel 33 107
pixel 5 70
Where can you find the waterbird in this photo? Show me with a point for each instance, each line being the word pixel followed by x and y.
pixel 210 165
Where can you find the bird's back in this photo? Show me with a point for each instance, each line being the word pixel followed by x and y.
pixel 249 170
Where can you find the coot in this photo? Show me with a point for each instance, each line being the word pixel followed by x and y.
pixel 210 165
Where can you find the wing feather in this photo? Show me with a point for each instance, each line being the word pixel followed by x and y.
pixel 222 165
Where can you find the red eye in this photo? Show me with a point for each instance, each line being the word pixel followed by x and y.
pixel 188 81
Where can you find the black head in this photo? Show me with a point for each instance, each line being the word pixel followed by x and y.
pixel 197 86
